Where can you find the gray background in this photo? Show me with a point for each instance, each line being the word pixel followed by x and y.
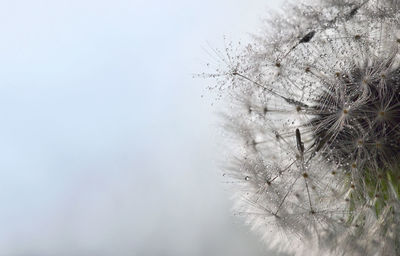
pixel 107 146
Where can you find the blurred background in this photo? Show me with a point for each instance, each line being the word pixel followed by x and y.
pixel 107 145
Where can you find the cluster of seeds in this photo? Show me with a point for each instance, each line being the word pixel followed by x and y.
pixel 315 123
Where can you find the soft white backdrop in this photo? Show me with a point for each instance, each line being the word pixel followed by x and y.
pixel 106 146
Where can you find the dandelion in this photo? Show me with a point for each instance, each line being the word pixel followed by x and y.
pixel 315 124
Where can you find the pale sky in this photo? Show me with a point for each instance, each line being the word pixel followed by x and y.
pixel 107 147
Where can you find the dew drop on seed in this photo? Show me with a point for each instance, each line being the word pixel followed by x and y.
pixel 247 178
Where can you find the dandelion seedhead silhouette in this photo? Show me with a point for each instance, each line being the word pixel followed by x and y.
pixel 315 118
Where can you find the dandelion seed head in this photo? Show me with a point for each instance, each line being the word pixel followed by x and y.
pixel 314 121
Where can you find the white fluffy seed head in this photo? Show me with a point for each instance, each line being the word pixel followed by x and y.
pixel 315 117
